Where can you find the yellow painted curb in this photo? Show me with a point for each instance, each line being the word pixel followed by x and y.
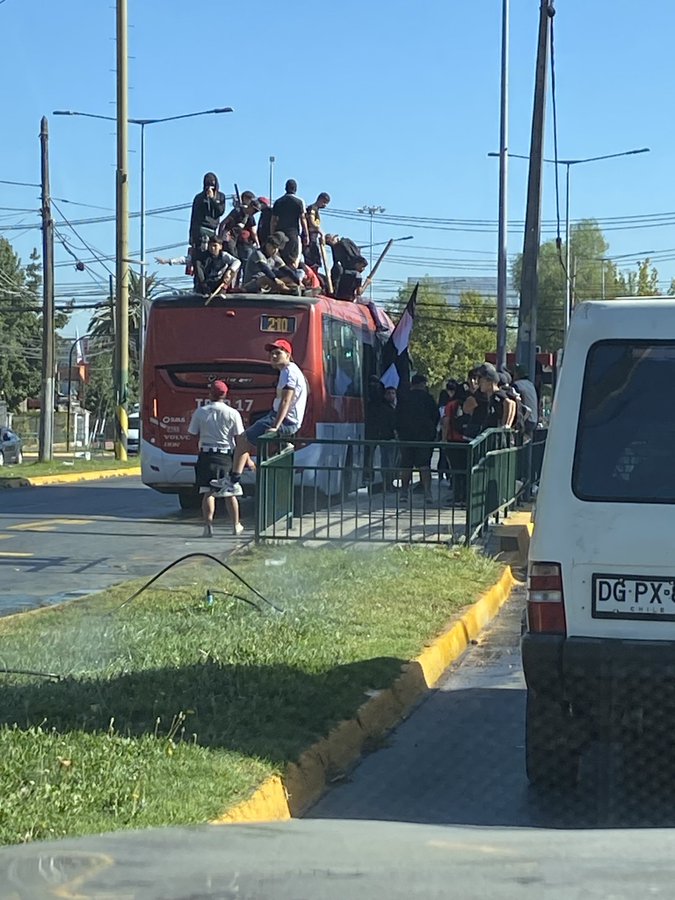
pixel 304 781
pixel 71 477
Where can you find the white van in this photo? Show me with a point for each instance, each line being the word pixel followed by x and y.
pixel 599 644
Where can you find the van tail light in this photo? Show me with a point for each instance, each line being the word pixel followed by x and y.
pixel 545 607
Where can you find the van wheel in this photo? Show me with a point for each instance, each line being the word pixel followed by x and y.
pixel 189 499
pixel 552 760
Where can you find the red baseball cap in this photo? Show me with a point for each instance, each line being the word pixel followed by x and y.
pixel 279 345
pixel 219 387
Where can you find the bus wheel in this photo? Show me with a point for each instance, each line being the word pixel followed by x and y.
pixel 189 499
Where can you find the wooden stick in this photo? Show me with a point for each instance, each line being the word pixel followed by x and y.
pixel 382 255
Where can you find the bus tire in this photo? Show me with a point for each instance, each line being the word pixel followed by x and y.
pixel 189 499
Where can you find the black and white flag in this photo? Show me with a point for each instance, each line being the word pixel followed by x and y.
pixel 395 356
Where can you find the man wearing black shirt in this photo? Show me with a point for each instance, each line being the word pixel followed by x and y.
pixel 288 215
pixel 216 268
pixel 264 229
pixel 207 208
pixel 348 263
pixel 416 420
pixel 489 407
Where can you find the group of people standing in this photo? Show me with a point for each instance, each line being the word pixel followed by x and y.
pixel 486 399
pixel 282 250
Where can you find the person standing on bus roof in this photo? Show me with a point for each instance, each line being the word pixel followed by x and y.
pixel 264 220
pixel 285 418
pixel 207 208
pixel 289 216
pixel 315 234
pixel 217 426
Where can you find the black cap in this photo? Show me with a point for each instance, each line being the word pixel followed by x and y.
pixel 488 371
pixel 418 379
pixel 504 378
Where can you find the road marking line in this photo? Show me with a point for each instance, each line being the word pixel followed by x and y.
pixel 48 524
pixel 25 555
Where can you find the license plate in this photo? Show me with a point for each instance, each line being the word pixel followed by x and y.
pixel 633 597
pixel 278 324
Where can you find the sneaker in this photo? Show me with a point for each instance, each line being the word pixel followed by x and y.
pixel 220 483
pixel 238 528
pixel 208 531
pixel 231 490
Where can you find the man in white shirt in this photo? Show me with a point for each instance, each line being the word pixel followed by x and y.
pixel 285 419
pixel 217 426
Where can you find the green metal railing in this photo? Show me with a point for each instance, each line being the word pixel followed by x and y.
pixel 300 496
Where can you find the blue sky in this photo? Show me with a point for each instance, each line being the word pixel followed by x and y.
pixel 392 104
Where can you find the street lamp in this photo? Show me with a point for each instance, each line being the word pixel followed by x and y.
pixel 371 211
pixel 142 123
pixel 568 163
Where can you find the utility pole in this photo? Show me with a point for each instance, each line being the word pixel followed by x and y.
pixel 272 161
pixel 529 285
pixel 502 275
pixel 46 437
pixel 122 234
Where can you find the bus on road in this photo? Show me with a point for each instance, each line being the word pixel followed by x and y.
pixel 189 344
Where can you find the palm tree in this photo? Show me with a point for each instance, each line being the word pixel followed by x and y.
pixel 102 325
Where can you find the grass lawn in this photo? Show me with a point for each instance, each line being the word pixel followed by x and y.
pixel 169 710
pixel 67 466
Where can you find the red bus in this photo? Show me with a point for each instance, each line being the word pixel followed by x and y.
pixel 188 345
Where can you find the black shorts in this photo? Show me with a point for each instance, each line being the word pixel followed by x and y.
pixel 291 251
pixel 211 465
pixel 416 457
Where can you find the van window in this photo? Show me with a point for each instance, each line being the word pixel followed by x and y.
pixel 134 421
pixel 626 428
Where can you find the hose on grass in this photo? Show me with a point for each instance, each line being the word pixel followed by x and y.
pixel 220 563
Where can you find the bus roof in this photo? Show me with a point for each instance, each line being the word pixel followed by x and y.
pixel 191 299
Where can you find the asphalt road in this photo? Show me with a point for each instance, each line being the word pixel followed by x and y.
pixel 69 540
pixel 459 759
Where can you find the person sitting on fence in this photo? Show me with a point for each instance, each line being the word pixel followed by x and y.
pixel 284 419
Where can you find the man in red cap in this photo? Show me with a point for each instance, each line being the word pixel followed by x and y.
pixel 217 426
pixel 285 419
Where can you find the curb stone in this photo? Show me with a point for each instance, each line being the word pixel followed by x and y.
pixel 291 794
pixel 67 477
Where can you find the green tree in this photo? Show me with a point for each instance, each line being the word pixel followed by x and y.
pixel 446 340
pixel 101 387
pixel 642 282
pixel 592 276
pixel 20 326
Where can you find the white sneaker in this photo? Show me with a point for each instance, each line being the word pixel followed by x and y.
pixel 220 483
pixel 238 528
pixel 232 490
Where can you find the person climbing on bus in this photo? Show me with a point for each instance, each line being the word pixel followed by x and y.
pixel 289 216
pixel 216 270
pixel 348 264
pixel 238 228
pixel 284 420
pixel 315 234
pixel 207 208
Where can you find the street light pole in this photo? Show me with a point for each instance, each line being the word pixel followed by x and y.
pixel 272 161
pixel 142 123
pixel 502 239
pixel 568 283
pixel 122 233
pixel 371 210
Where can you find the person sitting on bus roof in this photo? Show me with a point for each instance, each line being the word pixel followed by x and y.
pixel 215 270
pixel 207 208
pixel 263 267
pixel 313 253
pixel 348 264
pixel 289 216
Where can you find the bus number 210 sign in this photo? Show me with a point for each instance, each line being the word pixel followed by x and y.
pixel 278 324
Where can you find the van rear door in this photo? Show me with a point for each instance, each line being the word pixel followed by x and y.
pixel 620 570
